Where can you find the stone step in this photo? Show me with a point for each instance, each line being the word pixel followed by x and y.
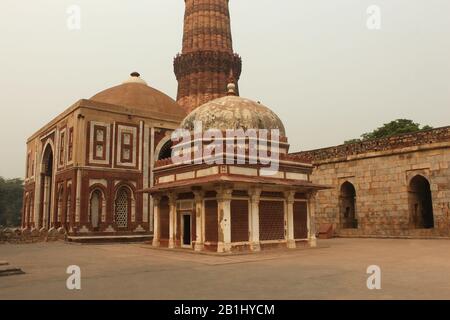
pixel 7 270
pixel 110 239
pixel 4 263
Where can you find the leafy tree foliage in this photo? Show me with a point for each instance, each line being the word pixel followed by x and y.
pixel 11 193
pixel 392 128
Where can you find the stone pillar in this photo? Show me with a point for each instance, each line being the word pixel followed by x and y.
pixel 156 219
pixel 224 216
pixel 151 182
pixel 200 220
pixel 255 195
pixel 172 219
pixel 46 204
pixel 289 226
pixel 78 198
pixel 311 219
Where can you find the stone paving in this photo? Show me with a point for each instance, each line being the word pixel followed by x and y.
pixel 411 269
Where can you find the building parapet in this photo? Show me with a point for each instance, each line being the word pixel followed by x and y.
pixel 392 143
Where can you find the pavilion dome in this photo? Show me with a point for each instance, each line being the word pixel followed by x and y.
pixel 135 94
pixel 234 112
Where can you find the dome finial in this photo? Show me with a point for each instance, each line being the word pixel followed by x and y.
pixel 135 77
pixel 231 87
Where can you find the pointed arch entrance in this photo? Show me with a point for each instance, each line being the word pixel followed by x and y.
pixel 122 207
pixel 166 151
pixel 348 206
pixel 46 186
pixel 95 208
pixel 421 203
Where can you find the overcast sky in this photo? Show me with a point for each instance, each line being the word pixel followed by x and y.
pixel 314 62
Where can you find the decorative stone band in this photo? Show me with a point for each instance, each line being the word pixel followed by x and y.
pixel 215 7
pixel 217 39
pixel 207 26
pixel 415 139
pixel 208 61
pixel 283 158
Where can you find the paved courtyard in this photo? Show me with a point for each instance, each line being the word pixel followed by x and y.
pixel 411 269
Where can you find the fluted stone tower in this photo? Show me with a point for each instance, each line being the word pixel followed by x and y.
pixel 207 61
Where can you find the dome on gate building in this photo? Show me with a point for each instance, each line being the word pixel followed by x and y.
pixel 234 112
pixel 135 94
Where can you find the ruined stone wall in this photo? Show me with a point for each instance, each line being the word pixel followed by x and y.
pixel 381 180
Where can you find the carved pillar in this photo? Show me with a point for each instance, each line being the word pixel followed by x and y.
pixel 255 195
pixel 224 216
pixel 78 198
pixel 59 221
pixel 289 226
pixel 172 219
pixel 46 204
pixel 156 221
pixel 311 219
pixel 200 220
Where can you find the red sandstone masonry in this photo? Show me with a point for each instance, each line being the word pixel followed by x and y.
pixel 207 60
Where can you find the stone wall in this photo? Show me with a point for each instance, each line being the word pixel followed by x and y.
pixel 363 148
pixel 382 187
pixel 18 235
pixel 381 172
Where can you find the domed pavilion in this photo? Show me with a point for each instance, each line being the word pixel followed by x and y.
pixel 233 203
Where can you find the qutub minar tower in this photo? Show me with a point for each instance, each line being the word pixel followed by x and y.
pixel 207 61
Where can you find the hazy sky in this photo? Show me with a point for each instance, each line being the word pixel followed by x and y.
pixel 314 62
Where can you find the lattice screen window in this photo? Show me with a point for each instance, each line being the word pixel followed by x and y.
pixel 211 221
pixel 121 214
pixel 271 220
pixel 239 221
pixel 300 220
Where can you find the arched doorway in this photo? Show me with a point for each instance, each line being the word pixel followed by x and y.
pixel 166 151
pixel 421 203
pixel 122 208
pixel 95 209
pixel 46 186
pixel 348 206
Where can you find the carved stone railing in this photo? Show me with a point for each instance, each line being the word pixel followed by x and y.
pixel 385 144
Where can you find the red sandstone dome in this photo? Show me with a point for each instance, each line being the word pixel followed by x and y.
pixel 233 112
pixel 136 95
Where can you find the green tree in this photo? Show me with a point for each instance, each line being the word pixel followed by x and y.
pixel 11 197
pixel 392 128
